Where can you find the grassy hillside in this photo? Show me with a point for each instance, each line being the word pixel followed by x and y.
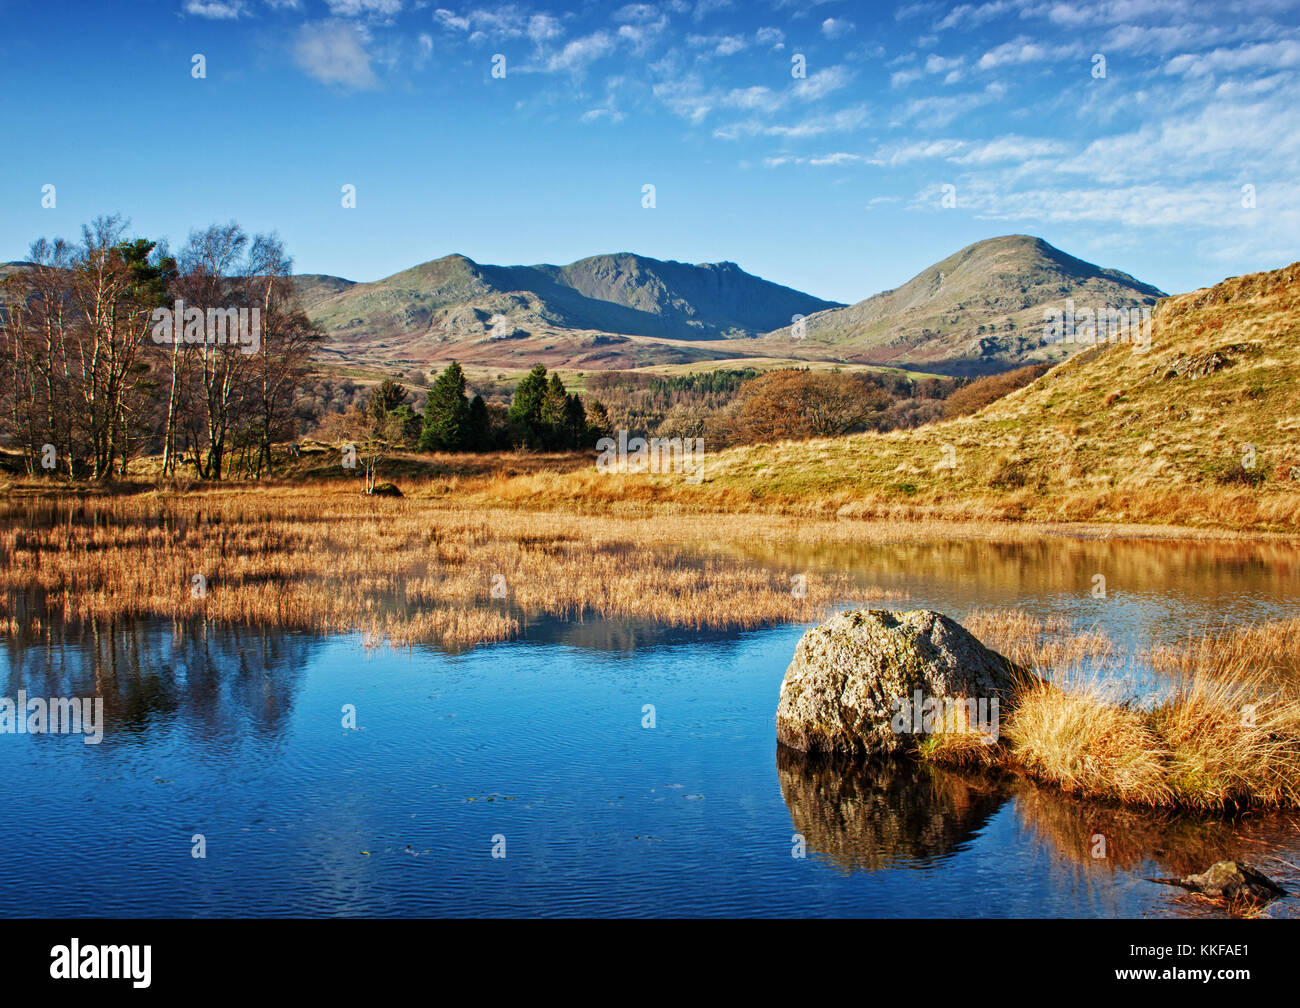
pixel 1110 435
pixel 977 311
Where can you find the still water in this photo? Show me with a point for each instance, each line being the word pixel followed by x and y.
pixel 540 750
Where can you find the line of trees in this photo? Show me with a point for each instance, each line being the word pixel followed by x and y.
pixel 84 386
pixel 542 416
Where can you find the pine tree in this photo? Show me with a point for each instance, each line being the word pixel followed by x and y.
pixel 575 424
pixel 386 398
pixel 526 408
pixel 553 403
pixel 446 414
pixel 598 422
pixel 479 433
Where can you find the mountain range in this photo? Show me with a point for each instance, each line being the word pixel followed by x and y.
pixel 978 311
pixel 605 311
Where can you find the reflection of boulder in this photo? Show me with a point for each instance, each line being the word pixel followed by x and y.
pixel 855 673
pixel 883 813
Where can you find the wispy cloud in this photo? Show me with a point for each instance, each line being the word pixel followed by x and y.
pixel 364 8
pixel 216 10
pixel 577 54
pixel 834 28
pixel 334 52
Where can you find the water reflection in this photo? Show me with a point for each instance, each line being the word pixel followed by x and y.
pixel 154 674
pixel 1159 590
pixel 235 730
pixel 873 814
pixel 865 816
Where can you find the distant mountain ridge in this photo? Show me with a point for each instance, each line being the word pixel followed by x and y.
pixel 980 309
pixel 454 303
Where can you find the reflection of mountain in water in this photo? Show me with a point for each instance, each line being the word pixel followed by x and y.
pixel 883 813
pixel 151 673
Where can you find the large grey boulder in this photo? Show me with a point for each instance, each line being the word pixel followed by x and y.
pixel 855 677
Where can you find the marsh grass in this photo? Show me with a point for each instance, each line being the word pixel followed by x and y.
pixel 1224 736
pixel 397 572
pixel 1272 649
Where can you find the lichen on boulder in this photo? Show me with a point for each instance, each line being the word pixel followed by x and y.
pixel 852 675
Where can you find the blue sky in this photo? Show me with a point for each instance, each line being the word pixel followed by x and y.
pixel 832 182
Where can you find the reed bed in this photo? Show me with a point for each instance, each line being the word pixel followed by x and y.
pixel 1047 645
pixel 396 572
pixel 1272 648
pixel 1225 736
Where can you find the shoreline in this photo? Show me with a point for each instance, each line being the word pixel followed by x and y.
pixel 438 495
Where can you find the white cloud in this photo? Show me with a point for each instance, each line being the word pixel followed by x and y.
pixel 754 97
pixel 576 55
pixel 843 121
pixel 835 160
pixel 836 27
pixel 364 8
pixel 940 110
pixel 216 10
pixel 920 150
pixel 967 152
pixel 703 8
pixel 686 97
pixel 971 15
pixel 542 28
pixel 822 83
pixel 722 45
pixel 451 20
pixel 1022 50
pixel 642 36
pixel 334 53
pixel 1010 148
pixel 1276 55
pixel 637 13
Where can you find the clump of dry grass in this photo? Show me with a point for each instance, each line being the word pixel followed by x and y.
pixel 1232 741
pixel 1086 744
pixel 1225 737
pixel 966 748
